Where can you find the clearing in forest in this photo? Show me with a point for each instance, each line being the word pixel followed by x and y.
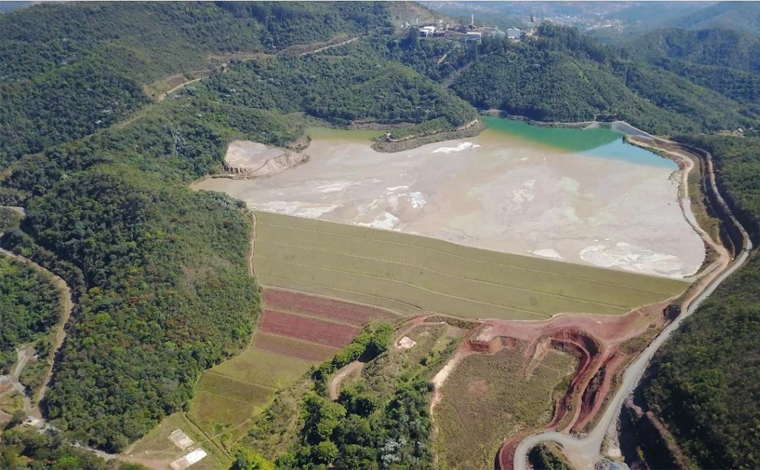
pixel 412 274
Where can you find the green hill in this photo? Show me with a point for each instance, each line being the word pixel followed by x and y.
pixel 705 381
pixel 742 16
pixel 713 47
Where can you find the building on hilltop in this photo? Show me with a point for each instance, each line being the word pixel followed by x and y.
pixel 514 34
pixel 427 31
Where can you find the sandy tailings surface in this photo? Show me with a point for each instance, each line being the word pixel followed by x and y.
pixel 498 192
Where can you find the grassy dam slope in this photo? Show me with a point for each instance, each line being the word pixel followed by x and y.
pixel 412 274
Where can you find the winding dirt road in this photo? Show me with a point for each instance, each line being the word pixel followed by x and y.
pixel 584 452
pixel 334 387
pixel 67 304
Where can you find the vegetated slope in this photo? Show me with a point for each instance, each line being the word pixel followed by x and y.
pixel 67 70
pixel 380 419
pixel 29 306
pixel 433 275
pixel 720 47
pixel 744 16
pixel 705 381
pixel 168 295
pixel 339 86
pixel 725 61
pixel 564 76
pixel 295 332
pixel 24 447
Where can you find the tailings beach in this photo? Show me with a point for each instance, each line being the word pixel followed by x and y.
pixel 582 196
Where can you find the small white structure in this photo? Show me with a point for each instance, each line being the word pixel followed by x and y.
pixel 406 343
pixel 192 458
pixel 474 36
pixel 32 421
pixel 514 34
pixel 180 439
pixel 427 31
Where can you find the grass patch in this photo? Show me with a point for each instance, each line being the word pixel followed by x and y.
pixel 487 399
pixel 247 392
pixel 216 414
pixel 439 276
pixel 157 447
pixel 257 366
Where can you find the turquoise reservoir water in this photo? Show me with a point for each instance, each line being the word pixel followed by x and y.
pixel 598 142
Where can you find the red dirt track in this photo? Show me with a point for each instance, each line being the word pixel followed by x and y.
pixel 593 339
pixel 323 307
pixel 306 329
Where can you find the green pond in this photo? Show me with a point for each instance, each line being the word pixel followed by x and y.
pixel 598 142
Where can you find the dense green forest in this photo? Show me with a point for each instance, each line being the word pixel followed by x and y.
pixel 168 295
pixel 565 76
pixel 718 47
pixel 24 448
pixel 723 60
pixel 706 381
pixel 90 60
pixel 29 306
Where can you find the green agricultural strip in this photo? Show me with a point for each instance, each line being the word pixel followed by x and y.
pixel 418 273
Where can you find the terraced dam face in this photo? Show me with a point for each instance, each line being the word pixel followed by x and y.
pixel 582 196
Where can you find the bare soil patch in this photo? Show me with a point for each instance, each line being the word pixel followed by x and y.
pixel 307 329
pixel 322 307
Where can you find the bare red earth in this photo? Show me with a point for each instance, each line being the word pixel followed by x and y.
pixel 593 339
pixel 323 307
pixel 293 348
pixel 307 329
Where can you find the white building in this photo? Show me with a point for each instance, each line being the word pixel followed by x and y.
pixel 474 36
pixel 427 31
pixel 514 33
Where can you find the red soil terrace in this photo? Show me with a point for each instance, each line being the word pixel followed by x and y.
pixel 307 329
pixel 323 307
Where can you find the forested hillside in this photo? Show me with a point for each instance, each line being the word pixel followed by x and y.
pixel 706 381
pixel 564 76
pixel 29 306
pixel 725 61
pixel 91 60
pixel 718 47
pixel 742 16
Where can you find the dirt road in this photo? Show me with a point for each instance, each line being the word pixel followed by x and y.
pixel 584 453
pixel 335 382
pixel 329 46
pixel 67 304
